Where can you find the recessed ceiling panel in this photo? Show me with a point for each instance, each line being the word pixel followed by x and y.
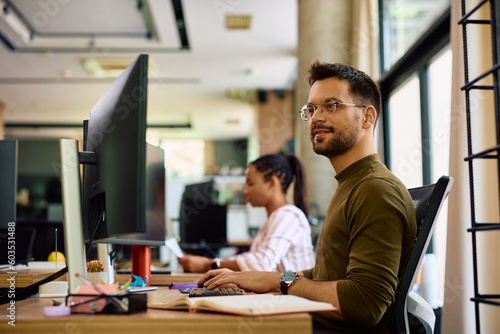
pixel 72 26
pixel 82 16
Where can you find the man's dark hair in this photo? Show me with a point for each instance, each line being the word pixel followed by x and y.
pixel 361 86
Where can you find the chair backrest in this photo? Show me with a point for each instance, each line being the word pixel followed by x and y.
pixel 427 201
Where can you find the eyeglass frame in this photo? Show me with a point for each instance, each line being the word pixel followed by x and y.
pixel 306 117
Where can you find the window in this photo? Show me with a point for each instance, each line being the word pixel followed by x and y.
pixel 416 97
pixel 184 159
pixel 404 127
pixel 404 21
pixel 409 151
pixel 440 111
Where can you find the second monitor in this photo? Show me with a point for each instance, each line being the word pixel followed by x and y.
pixel 202 221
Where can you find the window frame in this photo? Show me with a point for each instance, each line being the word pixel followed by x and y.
pixel 415 60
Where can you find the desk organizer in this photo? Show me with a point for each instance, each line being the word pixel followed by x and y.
pixel 107 304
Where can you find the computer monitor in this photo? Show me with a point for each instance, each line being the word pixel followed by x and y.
pixel 8 182
pixel 113 187
pixel 202 221
pixel 154 201
pixel 48 235
pixel 8 186
pixel 117 162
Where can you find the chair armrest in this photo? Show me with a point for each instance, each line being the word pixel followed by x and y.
pixel 420 309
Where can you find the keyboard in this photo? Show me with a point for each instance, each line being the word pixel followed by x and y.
pixel 204 292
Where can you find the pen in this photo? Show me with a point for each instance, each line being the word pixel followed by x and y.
pixel 115 300
pixel 177 286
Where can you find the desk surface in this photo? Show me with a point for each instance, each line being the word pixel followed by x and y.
pixel 163 279
pixel 26 277
pixel 29 318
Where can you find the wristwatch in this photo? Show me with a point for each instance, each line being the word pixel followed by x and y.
pixel 216 264
pixel 287 279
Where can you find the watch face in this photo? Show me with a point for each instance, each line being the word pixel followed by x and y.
pixel 288 276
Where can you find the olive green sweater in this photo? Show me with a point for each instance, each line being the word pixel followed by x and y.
pixel 365 242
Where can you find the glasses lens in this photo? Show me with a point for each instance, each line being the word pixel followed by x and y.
pixel 304 114
pixel 309 110
pixel 328 108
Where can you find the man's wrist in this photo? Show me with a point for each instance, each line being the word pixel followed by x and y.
pixel 287 279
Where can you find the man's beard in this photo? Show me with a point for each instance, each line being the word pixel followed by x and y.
pixel 337 144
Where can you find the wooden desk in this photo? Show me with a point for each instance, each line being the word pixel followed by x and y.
pixel 247 242
pixel 30 319
pixel 26 277
pixel 163 279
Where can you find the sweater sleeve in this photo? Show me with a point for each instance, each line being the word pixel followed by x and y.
pixel 308 273
pixel 376 217
pixel 267 254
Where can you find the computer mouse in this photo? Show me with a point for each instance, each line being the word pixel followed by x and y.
pixel 202 284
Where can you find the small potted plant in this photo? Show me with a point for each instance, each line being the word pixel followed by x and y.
pixel 96 273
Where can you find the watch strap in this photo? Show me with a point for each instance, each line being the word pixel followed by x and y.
pixel 284 288
pixel 216 264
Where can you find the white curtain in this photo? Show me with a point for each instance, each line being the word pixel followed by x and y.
pixel 458 310
pixel 364 49
pixel 365 38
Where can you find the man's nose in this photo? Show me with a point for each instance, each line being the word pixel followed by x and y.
pixel 317 115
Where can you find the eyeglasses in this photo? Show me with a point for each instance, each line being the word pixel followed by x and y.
pixel 327 108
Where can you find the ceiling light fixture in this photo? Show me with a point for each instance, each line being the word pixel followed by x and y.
pixel 112 67
pixel 232 121
pixel 238 22
pixel 17 31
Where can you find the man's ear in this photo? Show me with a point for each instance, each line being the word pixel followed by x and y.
pixel 370 117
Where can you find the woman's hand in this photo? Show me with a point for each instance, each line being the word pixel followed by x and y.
pixel 195 263
pixel 256 281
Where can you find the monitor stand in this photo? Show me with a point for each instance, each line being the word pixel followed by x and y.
pixel 72 208
pixel 103 251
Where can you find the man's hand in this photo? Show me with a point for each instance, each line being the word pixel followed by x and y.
pixel 195 263
pixel 256 281
pixel 264 282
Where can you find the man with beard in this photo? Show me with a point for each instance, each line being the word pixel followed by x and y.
pixel 370 223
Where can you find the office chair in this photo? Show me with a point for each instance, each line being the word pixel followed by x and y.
pixel 412 313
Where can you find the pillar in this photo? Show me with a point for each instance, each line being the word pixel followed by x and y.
pixel 324 34
pixel 275 120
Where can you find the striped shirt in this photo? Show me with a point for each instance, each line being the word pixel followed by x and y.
pixel 282 243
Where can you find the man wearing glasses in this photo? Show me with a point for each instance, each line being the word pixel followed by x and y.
pixel 370 223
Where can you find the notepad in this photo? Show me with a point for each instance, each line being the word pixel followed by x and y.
pixel 174 247
pixel 249 305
